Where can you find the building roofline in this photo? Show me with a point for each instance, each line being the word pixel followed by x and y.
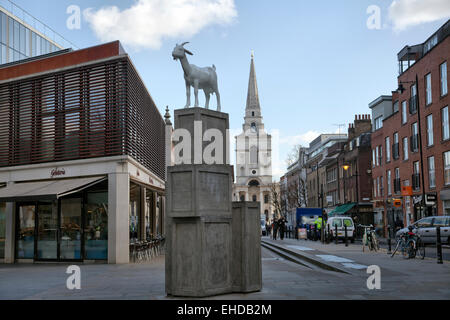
pixel 40 33
pixel 379 100
pixel 42 64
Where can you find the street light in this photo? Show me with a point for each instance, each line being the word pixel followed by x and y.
pixel 345 167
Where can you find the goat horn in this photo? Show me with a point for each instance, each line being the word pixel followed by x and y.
pixel 184 43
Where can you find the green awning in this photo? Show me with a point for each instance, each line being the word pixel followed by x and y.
pixel 342 209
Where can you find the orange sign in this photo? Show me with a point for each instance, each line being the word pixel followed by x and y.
pixel 407 191
pixel 397 203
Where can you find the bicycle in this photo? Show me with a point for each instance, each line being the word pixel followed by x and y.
pixel 411 245
pixel 370 238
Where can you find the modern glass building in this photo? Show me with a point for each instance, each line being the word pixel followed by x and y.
pixel 82 158
pixel 22 36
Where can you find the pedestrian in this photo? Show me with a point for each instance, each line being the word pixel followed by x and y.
pixel 318 224
pixel 275 229
pixel 282 226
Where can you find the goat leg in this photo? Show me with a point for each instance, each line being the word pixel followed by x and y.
pixel 188 95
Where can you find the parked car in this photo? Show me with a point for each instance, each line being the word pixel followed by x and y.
pixel 426 228
pixel 341 222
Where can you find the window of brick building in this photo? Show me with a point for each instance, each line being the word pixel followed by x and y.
pixel 404 113
pixel 445 124
pixel 447 168
pixel 388 149
pixel 431 173
pixel 430 136
pixel 444 88
pixel 405 149
pixel 428 94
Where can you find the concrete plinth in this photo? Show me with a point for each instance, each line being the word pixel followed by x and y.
pixel 199 212
pixel 247 267
pixel 198 121
pixel 198 228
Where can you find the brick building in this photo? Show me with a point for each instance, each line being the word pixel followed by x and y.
pixel 411 139
pixel 348 173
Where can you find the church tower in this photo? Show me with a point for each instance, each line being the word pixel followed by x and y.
pixel 254 153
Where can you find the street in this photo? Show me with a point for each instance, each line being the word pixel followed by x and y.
pixel 282 279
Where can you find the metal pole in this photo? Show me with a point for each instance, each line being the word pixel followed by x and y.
pixel 346 239
pixel 420 148
pixel 328 233
pixel 322 229
pixel 336 234
pixel 439 245
pixel 389 240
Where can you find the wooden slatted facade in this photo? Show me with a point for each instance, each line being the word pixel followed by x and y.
pixel 91 110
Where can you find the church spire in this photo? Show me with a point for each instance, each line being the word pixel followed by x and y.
pixel 253 96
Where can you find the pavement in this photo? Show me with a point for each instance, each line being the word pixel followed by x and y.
pixel 282 279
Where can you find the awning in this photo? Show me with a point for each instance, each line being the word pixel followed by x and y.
pixel 342 209
pixel 46 190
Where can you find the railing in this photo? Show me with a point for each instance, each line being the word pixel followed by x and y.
pixel 416 181
pixel 396 151
pixel 24 17
pixel 414 143
pixel 413 105
pixel 397 185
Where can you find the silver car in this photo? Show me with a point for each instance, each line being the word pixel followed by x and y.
pixel 426 228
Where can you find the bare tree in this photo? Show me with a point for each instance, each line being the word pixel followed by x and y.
pixel 292 156
pixel 275 199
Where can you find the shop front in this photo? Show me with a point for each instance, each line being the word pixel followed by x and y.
pixel 53 226
pixel 80 217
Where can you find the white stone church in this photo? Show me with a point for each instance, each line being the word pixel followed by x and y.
pixel 254 154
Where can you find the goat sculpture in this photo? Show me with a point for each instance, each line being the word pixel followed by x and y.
pixel 199 78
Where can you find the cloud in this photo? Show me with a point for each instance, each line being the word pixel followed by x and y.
pixel 408 13
pixel 147 23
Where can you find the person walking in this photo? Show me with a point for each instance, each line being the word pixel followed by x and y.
pixel 318 224
pixel 282 227
pixel 275 229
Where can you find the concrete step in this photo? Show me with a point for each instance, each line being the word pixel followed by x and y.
pixel 304 259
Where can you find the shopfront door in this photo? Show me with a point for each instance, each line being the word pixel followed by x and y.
pixel 50 231
pixel 47 231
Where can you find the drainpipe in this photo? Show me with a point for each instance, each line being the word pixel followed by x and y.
pixel 420 145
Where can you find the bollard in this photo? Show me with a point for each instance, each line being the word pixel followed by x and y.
pixel 345 236
pixel 389 240
pixel 328 233
pixel 336 238
pixel 439 245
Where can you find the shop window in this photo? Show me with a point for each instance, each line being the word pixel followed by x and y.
pixel 96 222
pixel 25 237
pixel 446 205
pixel 135 196
pixel 148 215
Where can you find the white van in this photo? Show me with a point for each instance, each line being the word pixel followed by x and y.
pixel 340 222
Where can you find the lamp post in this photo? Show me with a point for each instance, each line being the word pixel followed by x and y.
pixel 345 167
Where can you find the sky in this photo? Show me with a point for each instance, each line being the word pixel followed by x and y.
pixel 318 63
